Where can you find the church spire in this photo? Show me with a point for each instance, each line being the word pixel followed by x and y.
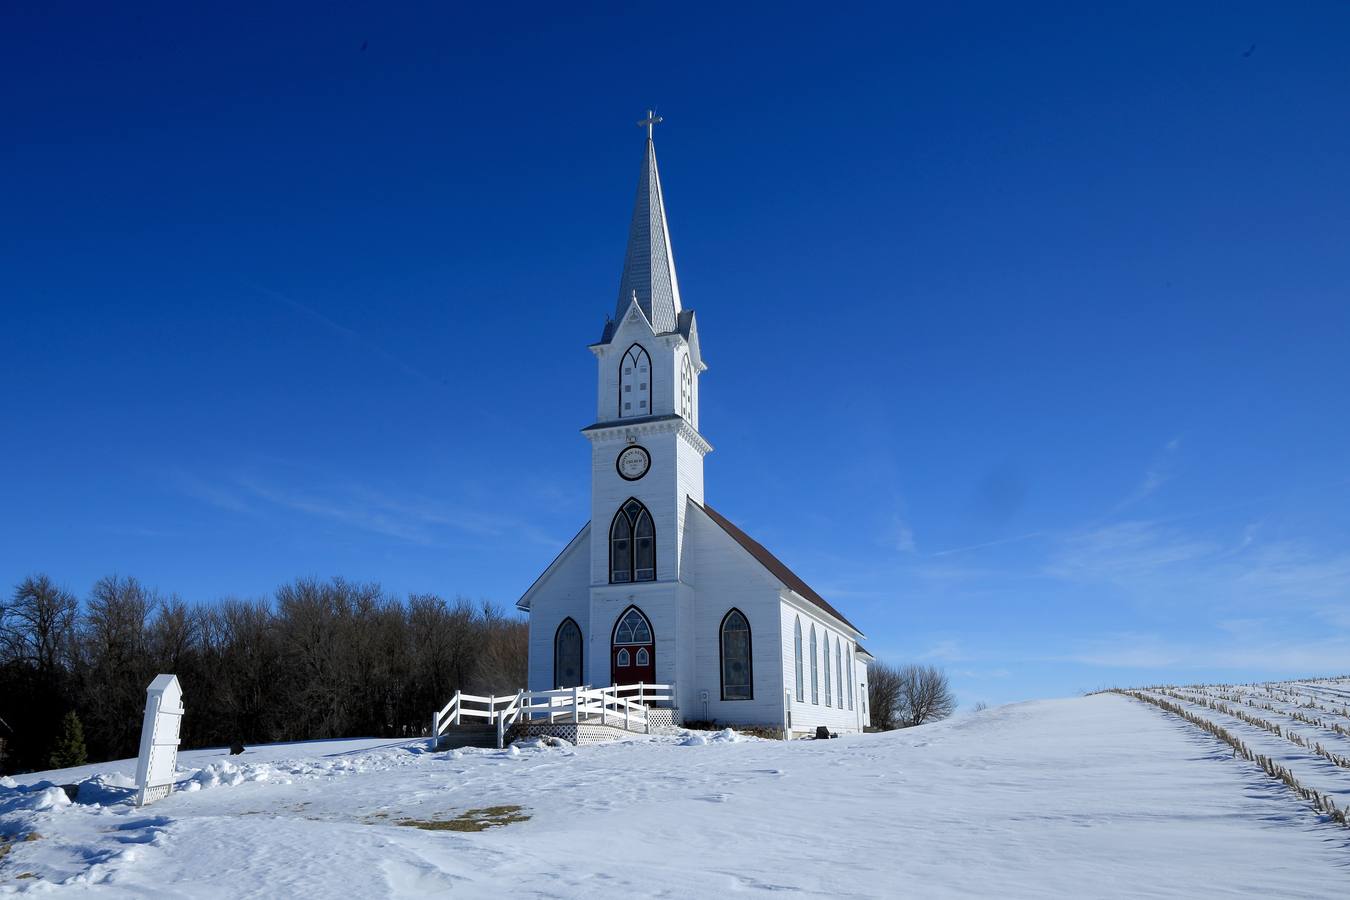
pixel 649 266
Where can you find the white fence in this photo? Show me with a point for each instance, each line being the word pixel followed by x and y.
pixel 620 705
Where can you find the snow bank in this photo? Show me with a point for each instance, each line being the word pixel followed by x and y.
pixel 725 736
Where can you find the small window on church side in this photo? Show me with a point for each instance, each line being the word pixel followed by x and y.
pixel 643 658
pixel 850 678
pixel 622 659
pixel 635 359
pixel 827 670
pixel 797 658
pixel 687 391
pixel 815 661
pixel 839 670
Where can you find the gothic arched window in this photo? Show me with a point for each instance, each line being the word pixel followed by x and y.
pixel 850 677
pixel 827 670
pixel 687 390
pixel 633 628
pixel 567 655
pixel 737 668
pixel 632 544
pixel 797 659
pixel 839 670
pixel 815 671
pixel 635 383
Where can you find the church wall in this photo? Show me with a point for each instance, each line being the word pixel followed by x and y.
pixel 565 592
pixel 807 715
pixel 729 578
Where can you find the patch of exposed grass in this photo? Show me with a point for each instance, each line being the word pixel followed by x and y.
pixel 472 820
pixel 6 846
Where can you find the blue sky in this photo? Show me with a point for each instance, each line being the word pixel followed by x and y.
pixel 1027 329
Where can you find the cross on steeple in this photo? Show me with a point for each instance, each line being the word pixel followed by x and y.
pixel 652 119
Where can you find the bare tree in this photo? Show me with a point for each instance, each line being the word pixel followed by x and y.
pixel 925 695
pixel 883 695
pixel 904 696
pixel 37 626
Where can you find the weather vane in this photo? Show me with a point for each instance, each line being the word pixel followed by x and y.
pixel 652 119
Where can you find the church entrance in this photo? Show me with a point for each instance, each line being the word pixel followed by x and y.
pixel 633 649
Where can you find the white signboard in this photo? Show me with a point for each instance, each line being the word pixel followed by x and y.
pixel 159 739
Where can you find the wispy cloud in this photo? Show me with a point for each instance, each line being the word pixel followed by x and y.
pixel 994 543
pixel 349 335
pixel 904 536
pixel 221 496
pixel 1158 473
pixel 1125 551
pixel 355 505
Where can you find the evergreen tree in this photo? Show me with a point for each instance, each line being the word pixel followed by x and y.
pixel 68 750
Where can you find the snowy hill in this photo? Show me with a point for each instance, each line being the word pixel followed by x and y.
pixel 1099 796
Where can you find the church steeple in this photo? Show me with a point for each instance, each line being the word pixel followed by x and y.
pixel 649 265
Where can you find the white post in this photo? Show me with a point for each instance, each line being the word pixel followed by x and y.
pixel 640 692
pixel 458 704
pixel 157 762
pixel 576 704
pixel 435 729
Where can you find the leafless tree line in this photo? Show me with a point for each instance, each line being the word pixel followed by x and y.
pixel 320 659
pixel 904 696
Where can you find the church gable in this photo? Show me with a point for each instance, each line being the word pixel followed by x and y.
pixel 774 566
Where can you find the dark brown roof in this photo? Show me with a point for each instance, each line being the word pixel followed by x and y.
pixel 775 565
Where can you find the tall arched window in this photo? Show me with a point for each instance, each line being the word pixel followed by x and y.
pixel 737 671
pixel 828 697
pixel 635 383
pixel 632 544
pixel 839 670
pixel 815 671
pixel 687 390
pixel 850 677
pixel 797 659
pixel 567 655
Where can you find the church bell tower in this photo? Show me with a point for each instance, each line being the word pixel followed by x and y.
pixel 646 449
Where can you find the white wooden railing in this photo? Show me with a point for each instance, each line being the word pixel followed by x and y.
pixel 620 705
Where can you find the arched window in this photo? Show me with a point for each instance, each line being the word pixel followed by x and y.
pixel 737 668
pixel 567 655
pixel 797 659
pixel 621 660
pixel 632 628
pixel 643 659
pixel 850 677
pixel 828 697
pixel 635 383
pixel 839 670
pixel 632 544
pixel 815 672
pixel 687 390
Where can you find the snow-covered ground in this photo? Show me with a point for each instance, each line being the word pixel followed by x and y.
pixel 1099 796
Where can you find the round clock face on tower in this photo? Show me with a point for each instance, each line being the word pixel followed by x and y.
pixel 633 463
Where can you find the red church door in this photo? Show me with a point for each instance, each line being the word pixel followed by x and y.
pixel 633 649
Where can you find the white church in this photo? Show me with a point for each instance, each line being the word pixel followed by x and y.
pixel 658 587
